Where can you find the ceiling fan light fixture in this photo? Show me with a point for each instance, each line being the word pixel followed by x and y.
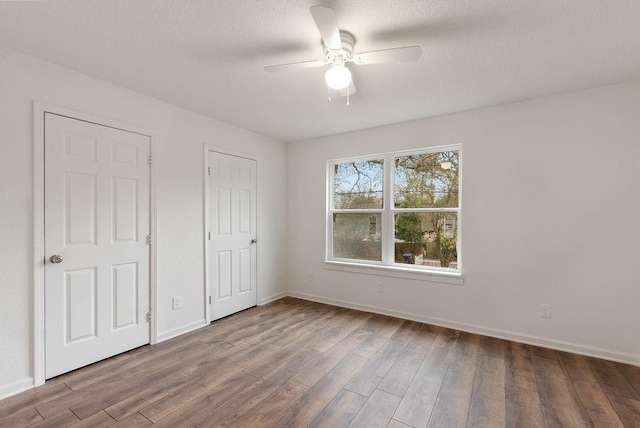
pixel 338 49
pixel 338 77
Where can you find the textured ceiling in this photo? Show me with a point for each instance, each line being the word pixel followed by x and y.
pixel 208 55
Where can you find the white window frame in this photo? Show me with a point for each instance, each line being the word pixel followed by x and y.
pixel 387 266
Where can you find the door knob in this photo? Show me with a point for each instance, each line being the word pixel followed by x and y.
pixel 254 241
pixel 56 258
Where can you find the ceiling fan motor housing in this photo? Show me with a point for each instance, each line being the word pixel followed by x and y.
pixel 340 56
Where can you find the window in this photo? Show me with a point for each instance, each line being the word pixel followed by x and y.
pixel 397 210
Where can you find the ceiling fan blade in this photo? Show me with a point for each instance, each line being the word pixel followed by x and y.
pixel 349 90
pixel 409 53
pixel 294 66
pixel 327 23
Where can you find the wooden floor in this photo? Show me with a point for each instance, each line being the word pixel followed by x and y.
pixel 294 363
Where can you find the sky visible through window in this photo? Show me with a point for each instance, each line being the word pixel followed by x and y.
pixel 421 181
pixel 359 185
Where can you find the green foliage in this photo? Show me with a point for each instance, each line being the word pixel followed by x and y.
pixel 447 251
pixel 409 228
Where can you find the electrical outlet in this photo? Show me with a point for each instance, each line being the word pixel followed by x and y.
pixel 380 288
pixel 176 303
pixel 310 278
pixel 545 311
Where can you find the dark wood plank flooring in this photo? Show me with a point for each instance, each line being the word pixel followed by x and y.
pixel 294 363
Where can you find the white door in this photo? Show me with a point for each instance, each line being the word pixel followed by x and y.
pixel 232 219
pixel 97 222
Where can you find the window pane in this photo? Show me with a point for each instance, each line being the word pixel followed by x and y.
pixel 426 239
pixel 358 185
pixel 429 180
pixel 357 236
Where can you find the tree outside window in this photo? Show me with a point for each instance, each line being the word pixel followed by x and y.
pixel 422 205
pixel 426 195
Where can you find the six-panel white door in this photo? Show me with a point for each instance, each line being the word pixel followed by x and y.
pixel 232 219
pixel 97 220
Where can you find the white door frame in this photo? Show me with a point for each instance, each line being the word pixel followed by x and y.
pixel 39 110
pixel 207 267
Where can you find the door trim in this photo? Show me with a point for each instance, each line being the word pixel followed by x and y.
pixel 207 268
pixel 39 110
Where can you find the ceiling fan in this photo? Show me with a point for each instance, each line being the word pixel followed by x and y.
pixel 338 51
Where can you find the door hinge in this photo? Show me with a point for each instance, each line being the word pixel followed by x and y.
pixel 208 170
pixel 148 239
pixel 149 161
pixel 209 299
pixel 209 236
pixel 149 316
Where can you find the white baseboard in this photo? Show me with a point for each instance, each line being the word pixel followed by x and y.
pixel 272 298
pixel 16 387
pixel 575 348
pixel 181 330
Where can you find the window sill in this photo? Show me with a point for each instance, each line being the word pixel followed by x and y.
pixel 454 278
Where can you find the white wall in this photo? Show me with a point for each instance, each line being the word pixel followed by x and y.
pixel 551 214
pixel 179 162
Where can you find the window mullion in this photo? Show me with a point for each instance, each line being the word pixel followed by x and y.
pixel 387 213
pixel 425 210
pixel 330 208
pixel 357 211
